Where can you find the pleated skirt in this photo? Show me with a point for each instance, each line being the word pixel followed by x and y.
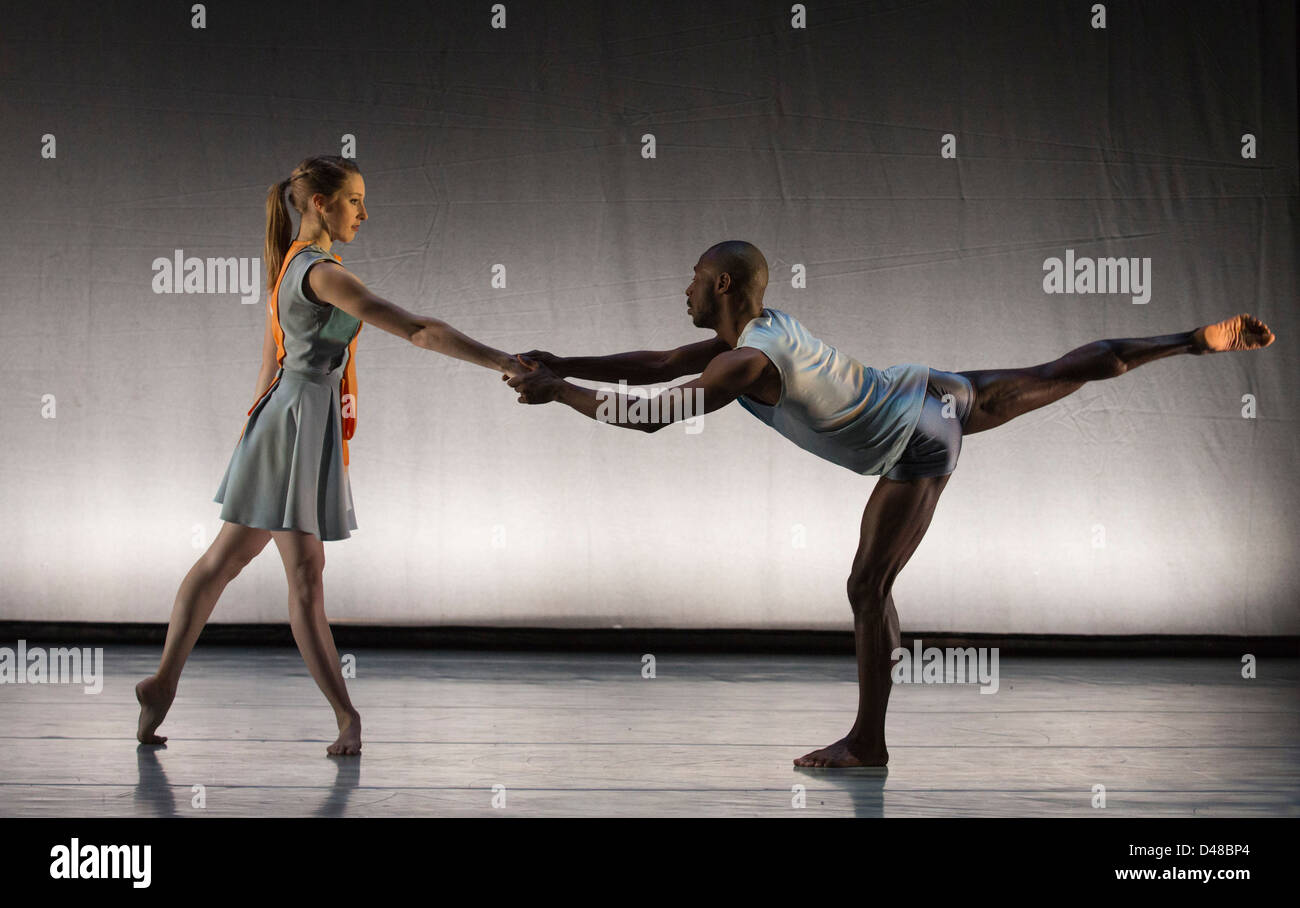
pixel 287 470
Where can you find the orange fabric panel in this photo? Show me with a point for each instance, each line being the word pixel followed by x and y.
pixel 348 385
pixel 274 304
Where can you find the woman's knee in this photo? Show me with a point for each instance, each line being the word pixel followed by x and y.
pixel 227 561
pixel 307 573
pixel 306 576
pixel 304 561
pixel 233 549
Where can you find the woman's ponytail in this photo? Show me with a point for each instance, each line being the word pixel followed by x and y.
pixel 323 174
pixel 279 231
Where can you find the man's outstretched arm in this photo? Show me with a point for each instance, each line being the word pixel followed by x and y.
pixel 640 367
pixel 725 378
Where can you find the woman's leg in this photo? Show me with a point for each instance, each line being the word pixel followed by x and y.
pixel 234 547
pixel 304 565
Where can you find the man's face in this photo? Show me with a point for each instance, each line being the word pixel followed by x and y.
pixel 701 301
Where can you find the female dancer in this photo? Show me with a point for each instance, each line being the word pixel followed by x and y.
pixel 287 479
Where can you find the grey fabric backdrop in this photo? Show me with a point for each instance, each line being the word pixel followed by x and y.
pixel 1143 504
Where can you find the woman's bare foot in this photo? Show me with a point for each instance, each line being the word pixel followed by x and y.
pixel 349 739
pixel 155 699
pixel 1241 332
pixel 841 755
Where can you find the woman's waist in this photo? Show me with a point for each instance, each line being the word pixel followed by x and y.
pixel 312 376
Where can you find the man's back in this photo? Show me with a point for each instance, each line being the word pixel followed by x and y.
pixel 831 404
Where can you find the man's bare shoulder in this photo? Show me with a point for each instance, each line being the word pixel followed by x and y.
pixel 744 368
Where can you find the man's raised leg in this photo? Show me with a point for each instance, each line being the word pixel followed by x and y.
pixel 1003 394
pixel 893 524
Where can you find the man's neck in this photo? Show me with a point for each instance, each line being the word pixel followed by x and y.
pixel 732 326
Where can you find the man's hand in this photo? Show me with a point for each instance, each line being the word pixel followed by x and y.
pixel 514 367
pixel 549 360
pixel 537 384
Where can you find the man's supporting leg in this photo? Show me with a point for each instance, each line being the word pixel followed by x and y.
pixel 893 524
pixel 1004 394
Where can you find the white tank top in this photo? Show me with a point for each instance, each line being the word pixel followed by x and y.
pixel 850 414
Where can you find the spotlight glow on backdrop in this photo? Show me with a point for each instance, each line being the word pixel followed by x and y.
pixel 1145 504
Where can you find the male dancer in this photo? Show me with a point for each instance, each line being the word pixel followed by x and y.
pixel 905 423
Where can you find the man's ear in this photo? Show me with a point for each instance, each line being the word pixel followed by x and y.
pixel 723 283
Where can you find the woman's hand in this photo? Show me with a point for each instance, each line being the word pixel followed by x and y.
pixel 537 384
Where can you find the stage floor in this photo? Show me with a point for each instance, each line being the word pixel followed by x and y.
pixel 587 735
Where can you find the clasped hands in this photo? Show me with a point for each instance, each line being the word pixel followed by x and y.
pixel 536 382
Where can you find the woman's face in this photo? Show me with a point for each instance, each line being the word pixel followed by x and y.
pixel 347 209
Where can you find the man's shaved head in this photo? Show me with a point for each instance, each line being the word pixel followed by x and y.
pixel 727 304
pixel 745 264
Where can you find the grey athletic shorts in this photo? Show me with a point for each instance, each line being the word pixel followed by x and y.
pixel 936 441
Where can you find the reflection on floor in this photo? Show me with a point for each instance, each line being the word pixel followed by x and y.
pixel 588 735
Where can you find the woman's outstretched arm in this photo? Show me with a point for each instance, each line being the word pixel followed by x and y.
pixel 334 284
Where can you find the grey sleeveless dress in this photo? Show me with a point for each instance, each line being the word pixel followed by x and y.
pixel 287 470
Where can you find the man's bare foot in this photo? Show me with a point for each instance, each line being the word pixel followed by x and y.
pixel 1241 332
pixel 349 739
pixel 840 756
pixel 155 699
